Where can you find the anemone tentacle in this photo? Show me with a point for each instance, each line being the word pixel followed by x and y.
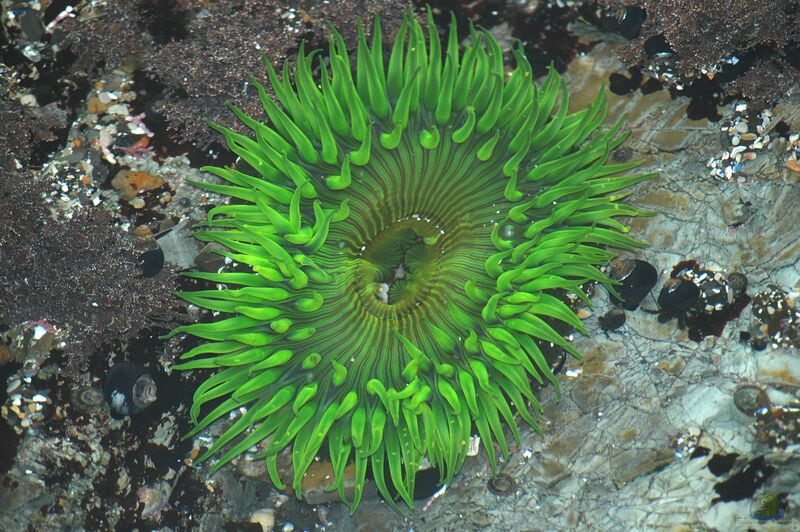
pixel 405 229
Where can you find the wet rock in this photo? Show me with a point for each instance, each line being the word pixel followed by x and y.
pixel 594 391
pixel 673 367
pixel 153 499
pixel 318 486
pixel 637 462
pixel 736 213
pixel 778 367
pixel 252 467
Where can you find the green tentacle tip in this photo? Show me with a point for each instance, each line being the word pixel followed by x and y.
pixel 404 230
pixel 461 134
pixel 429 139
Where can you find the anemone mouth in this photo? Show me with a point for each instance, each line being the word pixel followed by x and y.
pixel 405 233
pixel 419 228
pixel 397 271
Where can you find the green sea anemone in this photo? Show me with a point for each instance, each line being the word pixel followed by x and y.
pixel 405 230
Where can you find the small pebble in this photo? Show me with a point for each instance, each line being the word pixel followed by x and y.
pixel 120 109
pixel 741 127
pixel 264 517
pixel 137 203
pixel 28 100
pixel 95 106
pixel 13 385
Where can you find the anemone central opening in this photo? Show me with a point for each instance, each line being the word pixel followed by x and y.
pixel 400 264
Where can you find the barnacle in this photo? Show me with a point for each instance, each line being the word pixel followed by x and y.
pixel 404 229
